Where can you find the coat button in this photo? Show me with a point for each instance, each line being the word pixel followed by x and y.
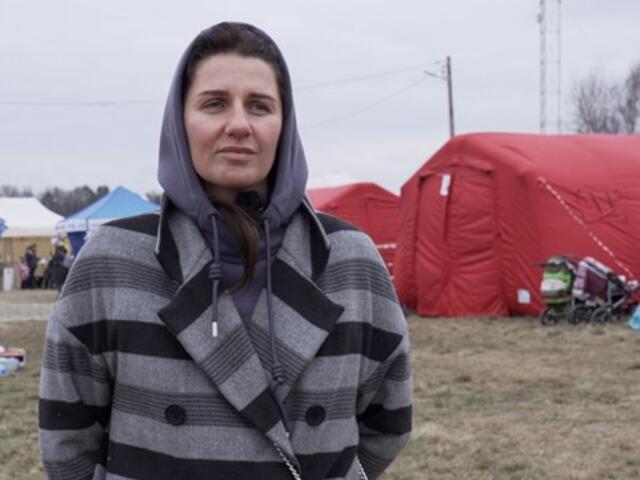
pixel 175 414
pixel 315 415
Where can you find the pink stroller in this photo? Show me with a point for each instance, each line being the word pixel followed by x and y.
pixel 599 293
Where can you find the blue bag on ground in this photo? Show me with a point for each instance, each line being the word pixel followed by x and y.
pixel 634 321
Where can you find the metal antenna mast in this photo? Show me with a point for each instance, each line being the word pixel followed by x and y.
pixel 550 79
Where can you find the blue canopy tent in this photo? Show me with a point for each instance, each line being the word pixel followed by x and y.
pixel 118 203
pixel 3 226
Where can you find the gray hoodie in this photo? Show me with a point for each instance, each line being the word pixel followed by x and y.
pixel 184 190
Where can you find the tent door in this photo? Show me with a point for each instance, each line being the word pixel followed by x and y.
pixel 457 270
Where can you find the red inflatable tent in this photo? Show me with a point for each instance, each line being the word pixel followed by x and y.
pixel 367 206
pixel 486 207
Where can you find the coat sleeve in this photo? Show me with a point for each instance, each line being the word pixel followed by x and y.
pixel 384 404
pixel 385 411
pixel 74 403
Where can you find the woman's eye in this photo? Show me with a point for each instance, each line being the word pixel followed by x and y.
pixel 259 108
pixel 214 105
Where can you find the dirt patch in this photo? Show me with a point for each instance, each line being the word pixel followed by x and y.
pixel 494 399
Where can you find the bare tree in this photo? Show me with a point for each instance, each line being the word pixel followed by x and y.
pixel 67 202
pixel 630 105
pixel 12 191
pixel 601 106
pixel 596 106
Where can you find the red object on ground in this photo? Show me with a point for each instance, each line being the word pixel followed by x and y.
pixel 367 206
pixel 478 215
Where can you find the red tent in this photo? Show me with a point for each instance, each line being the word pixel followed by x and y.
pixel 367 206
pixel 486 207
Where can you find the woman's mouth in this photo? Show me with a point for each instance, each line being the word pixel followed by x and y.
pixel 236 150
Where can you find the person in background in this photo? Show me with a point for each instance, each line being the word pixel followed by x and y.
pixel 31 260
pixel 23 273
pixel 239 333
pixel 57 270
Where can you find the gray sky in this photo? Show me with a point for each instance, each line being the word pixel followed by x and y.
pixel 58 53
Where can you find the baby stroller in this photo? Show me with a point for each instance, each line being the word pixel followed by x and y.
pixel 599 293
pixel 555 288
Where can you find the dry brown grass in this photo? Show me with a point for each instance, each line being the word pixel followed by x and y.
pixel 510 399
pixel 494 399
pixel 19 403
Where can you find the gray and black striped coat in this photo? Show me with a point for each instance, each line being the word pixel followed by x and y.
pixel 134 386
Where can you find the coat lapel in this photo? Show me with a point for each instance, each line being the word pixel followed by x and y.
pixel 303 315
pixel 230 359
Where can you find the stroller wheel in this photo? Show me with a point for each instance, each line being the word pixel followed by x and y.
pixel 579 314
pixel 601 315
pixel 549 316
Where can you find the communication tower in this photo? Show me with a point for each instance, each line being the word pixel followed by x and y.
pixel 550 74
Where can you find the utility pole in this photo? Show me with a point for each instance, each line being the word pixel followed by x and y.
pixel 446 76
pixel 450 92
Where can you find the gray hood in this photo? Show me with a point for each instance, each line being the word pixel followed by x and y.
pixel 287 183
pixel 181 183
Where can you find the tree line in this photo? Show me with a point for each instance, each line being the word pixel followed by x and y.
pixel 601 105
pixel 66 202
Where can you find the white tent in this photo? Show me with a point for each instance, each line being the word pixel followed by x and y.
pixel 27 217
pixel 26 222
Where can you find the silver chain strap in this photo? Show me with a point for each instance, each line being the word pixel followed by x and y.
pixel 296 475
pixel 363 475
pixel 287 462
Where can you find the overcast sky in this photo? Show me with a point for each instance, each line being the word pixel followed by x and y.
pixel 59 56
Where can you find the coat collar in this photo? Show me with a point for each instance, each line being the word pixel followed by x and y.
pixel 304 315
pixel 166 249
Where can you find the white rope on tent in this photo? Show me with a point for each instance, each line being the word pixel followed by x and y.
pixel 593 236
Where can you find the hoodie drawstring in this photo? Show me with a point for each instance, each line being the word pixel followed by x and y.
pixel 277 372
pixel 215 275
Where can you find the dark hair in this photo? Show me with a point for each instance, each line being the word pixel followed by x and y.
pixel 246 41
pixel 248 232
pixel 243 40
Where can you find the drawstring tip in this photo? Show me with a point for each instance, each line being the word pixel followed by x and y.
pixel 214 329
pixel 277 374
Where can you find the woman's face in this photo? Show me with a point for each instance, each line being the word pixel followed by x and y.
pixel 233 119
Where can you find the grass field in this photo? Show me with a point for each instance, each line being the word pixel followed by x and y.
pixel 495 398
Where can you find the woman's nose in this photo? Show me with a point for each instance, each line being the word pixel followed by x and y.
pixel 238 123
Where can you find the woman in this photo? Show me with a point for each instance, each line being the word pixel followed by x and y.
pixel 239 334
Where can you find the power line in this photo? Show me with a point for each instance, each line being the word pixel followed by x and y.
pixel 365 77
pixel 89 103
pixel 366 107
pixel 113 103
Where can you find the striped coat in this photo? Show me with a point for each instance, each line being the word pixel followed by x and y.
pixel 134 386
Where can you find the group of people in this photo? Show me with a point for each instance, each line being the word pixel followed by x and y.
pixel 54 272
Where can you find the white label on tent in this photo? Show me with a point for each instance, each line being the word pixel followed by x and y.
pixel 524 296
pixel 444 185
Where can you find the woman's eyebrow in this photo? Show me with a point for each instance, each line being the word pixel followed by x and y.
pixel 213 93
pixel 262 96
pixel 224 93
